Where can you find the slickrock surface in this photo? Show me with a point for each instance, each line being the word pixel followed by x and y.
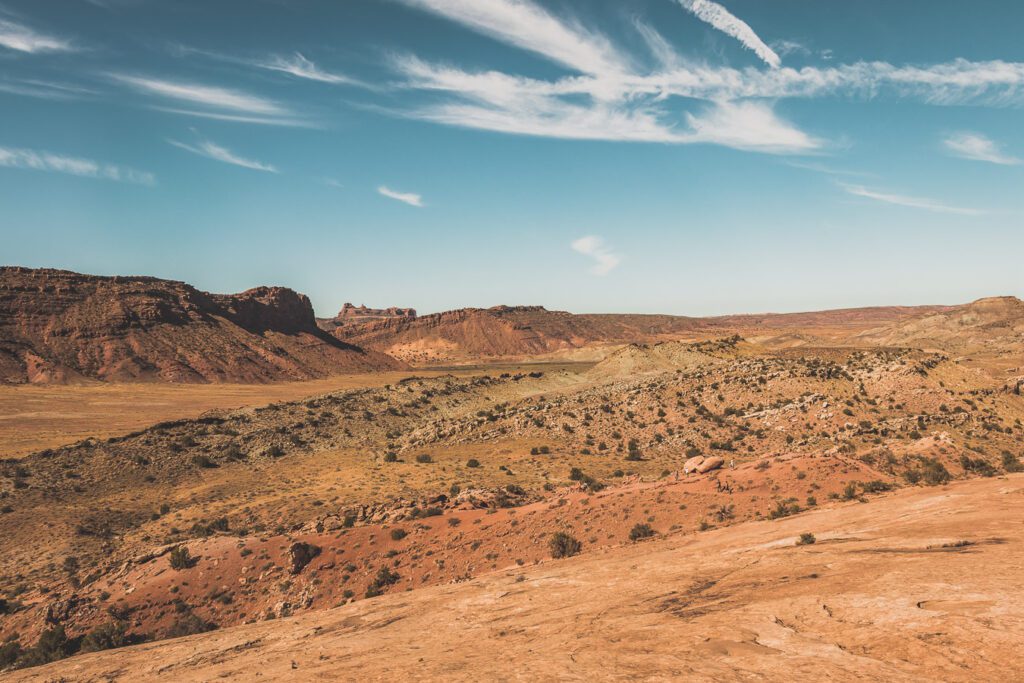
pixel 918 585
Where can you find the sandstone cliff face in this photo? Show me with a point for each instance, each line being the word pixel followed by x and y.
pixel 59 326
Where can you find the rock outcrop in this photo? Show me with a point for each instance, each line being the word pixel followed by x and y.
pixel 59 326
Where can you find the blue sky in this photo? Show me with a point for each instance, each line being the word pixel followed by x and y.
pixel 675 156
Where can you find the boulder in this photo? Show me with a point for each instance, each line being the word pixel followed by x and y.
pixel 693 463
pixel 300 554
pixel 710 464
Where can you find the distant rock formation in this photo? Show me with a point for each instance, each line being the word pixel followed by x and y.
pixel 348 311
pixel 59 326
pixel 355 315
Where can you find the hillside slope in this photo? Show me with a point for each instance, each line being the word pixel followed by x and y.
pixel 59 326
pixel 921 584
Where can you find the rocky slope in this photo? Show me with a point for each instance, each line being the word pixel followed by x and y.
pixel 59 326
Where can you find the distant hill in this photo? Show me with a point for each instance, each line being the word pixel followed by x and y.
pixel 520 331
pixel 505 331
pixel 993 324
pixel 59 326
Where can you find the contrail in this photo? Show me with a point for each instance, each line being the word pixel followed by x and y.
pixel 726 22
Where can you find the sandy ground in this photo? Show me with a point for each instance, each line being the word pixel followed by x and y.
pixel 890 590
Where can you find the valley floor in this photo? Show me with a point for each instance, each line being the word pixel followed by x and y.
pixel 917 584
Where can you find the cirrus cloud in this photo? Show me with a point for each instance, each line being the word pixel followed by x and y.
pixel 977 147
pixel 212 150
pixel 59 163
pixel 410 198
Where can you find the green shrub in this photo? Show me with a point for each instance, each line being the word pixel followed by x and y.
pixel 806 538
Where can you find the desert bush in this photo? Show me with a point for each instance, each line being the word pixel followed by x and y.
pixel 105 637
pixel 640 532
pixel 472 462
pixel 180 558
pixel 398 534
pixel 784 508
pixel 424 458
pixel 875 486
pixel 934 472
pixel 203 461
pixel 9 653
pixel 53 644
pixel 564 545
pixel 1011 463
pixel 189 624
pixel 806 538
pixel 385 577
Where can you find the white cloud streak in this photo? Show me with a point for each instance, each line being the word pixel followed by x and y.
pixel 526 25
pixel 210 96
pixel 86 168
pixel 211 150
pixel 20 38
pixel 977 147
pixel 298 66
pixel 605 261
pixel 410 198
pixel 907 201
pixel 724 21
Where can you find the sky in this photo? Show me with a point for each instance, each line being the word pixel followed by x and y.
pixel 650 156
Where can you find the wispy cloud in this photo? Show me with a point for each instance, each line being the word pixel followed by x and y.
pixel 593 246
pixel 20 38
pixel 45 90
pixel 240 118
pixel 751 126
pixel 510 104
pixel 977 147
pixel 526 25
pixel 58 163
pixel 785 48
pixel 723 20
pixel 220 98
pixel 911 202
pixel 300 67
pixel 410 198
pixel 212 150
pixel 660 48
pixel 223 104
